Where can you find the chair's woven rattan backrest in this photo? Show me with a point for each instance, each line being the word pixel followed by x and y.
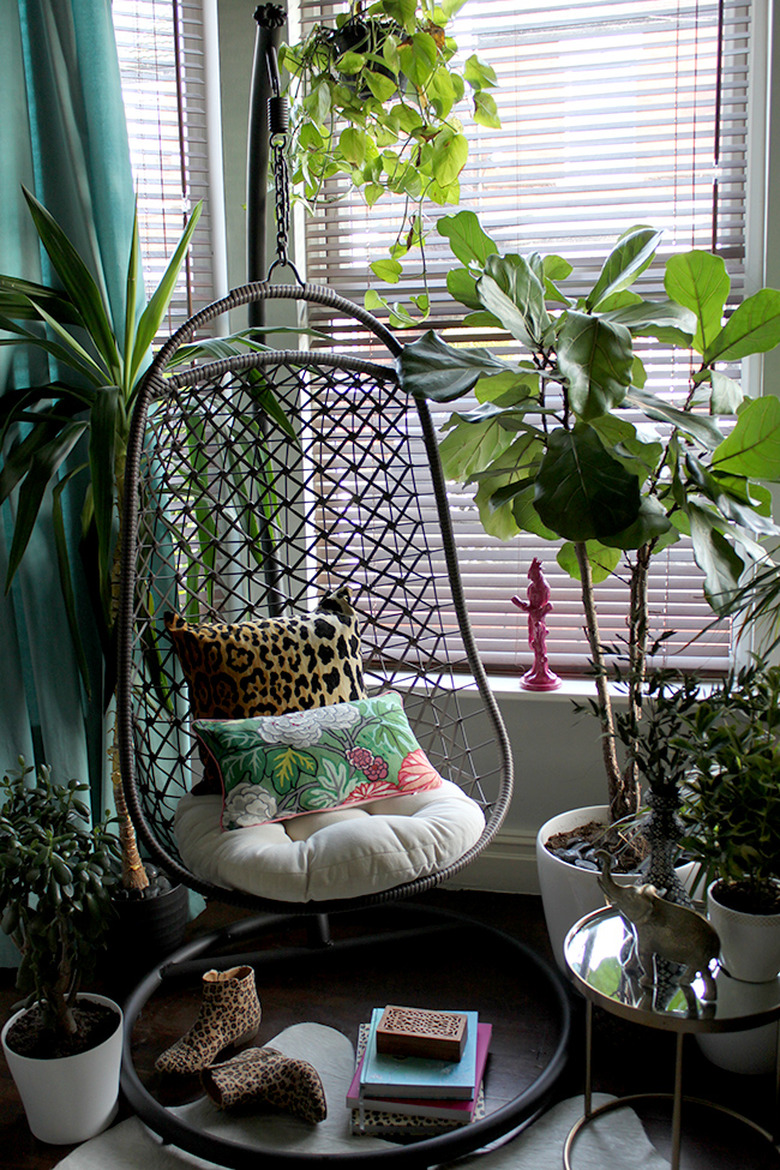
pixel 229 516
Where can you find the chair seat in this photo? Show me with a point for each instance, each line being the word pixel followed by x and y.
pixel 341 853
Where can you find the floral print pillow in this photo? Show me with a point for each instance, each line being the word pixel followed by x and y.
pixel 274 767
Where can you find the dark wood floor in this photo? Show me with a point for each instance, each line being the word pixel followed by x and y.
pixel 336 988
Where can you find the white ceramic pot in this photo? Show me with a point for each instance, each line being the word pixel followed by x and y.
pixel 568 891
pixel 71 1098
pixel 749 943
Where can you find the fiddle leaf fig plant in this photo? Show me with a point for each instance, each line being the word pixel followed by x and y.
pixel 564 440
pixel 375 100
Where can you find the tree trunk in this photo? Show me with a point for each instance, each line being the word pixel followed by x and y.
pixel 623 789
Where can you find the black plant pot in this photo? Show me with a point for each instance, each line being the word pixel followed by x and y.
pixel 145 930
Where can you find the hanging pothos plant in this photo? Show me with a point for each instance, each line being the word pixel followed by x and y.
pixel 375 102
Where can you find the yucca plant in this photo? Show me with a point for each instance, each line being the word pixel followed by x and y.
pixel 69 435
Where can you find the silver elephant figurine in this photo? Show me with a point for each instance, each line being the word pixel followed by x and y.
pixel 663 928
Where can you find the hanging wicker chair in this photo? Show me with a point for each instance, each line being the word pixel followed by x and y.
pixel 255 485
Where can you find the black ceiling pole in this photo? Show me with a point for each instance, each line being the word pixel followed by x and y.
pixel 270 19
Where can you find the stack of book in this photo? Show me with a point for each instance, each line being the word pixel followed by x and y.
pixel 400 1096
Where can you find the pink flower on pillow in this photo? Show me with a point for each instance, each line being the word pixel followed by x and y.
pixel 417 773
pixel 371 790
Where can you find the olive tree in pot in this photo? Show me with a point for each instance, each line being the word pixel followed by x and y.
pixel 63 1047
pixel 731 816
pixel 566 441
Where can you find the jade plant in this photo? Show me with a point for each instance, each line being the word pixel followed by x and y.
pixel 375 102
pixel 56 873
pixel 565 441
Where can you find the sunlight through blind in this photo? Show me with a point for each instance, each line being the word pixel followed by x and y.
pixel 614 113
pixel 160 46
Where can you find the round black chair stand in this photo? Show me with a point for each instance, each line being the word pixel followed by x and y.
pixel 540 989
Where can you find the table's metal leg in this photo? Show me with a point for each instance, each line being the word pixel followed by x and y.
pixel 677 1102
pixel 775 1127
pixel 588 1057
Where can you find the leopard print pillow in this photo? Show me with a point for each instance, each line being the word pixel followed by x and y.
pixel 270 666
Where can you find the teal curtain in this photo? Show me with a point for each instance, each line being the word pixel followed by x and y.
pixel 62 135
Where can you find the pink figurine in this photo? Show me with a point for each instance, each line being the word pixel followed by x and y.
pixel 539 677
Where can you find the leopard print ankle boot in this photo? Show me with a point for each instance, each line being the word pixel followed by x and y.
pixel 229 1016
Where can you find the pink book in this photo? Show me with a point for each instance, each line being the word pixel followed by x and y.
pixel 427 1107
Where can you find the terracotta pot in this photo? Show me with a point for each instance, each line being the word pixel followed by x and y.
pixel 69 1099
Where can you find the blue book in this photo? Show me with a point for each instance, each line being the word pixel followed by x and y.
pixel 417 1076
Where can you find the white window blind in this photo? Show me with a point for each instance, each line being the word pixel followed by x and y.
pixel 161 61
pixel 614 113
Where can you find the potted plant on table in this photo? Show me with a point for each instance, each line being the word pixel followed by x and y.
pixel 375 103
pixel 731 816
pixel 567 443
pixel 63 1047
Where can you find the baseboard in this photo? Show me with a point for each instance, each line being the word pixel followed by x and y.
pixel 506 866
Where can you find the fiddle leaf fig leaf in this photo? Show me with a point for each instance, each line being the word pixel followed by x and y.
pixel 429 368
pixel 721 565
pixel 471 446
pixel 632 255
pixel 727 395
pixel 699 281
pixel 462 286
pixel 698 426
pixel 651 522
pixel 670 323
pixel 603 561
pixel 753 327
pixel 469 243
pixel 753 447
pixel 583 493
pixel 511 290
pixel 596 357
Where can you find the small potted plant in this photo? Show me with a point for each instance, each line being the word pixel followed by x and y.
pixel 731 816
pixel 63 1046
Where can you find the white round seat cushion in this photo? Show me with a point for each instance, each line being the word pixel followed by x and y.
pixel 341 853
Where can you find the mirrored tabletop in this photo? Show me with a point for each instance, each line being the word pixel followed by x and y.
pixel 600 953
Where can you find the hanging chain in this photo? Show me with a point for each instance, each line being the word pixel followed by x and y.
pixel 277 127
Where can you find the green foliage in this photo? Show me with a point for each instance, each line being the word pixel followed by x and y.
pixel 595 476
pixel 731 802
pixel 55 878
pixel 71 436
pixel 570 445
pixel 374 103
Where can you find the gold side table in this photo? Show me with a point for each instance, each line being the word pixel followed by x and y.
pixel 598 951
